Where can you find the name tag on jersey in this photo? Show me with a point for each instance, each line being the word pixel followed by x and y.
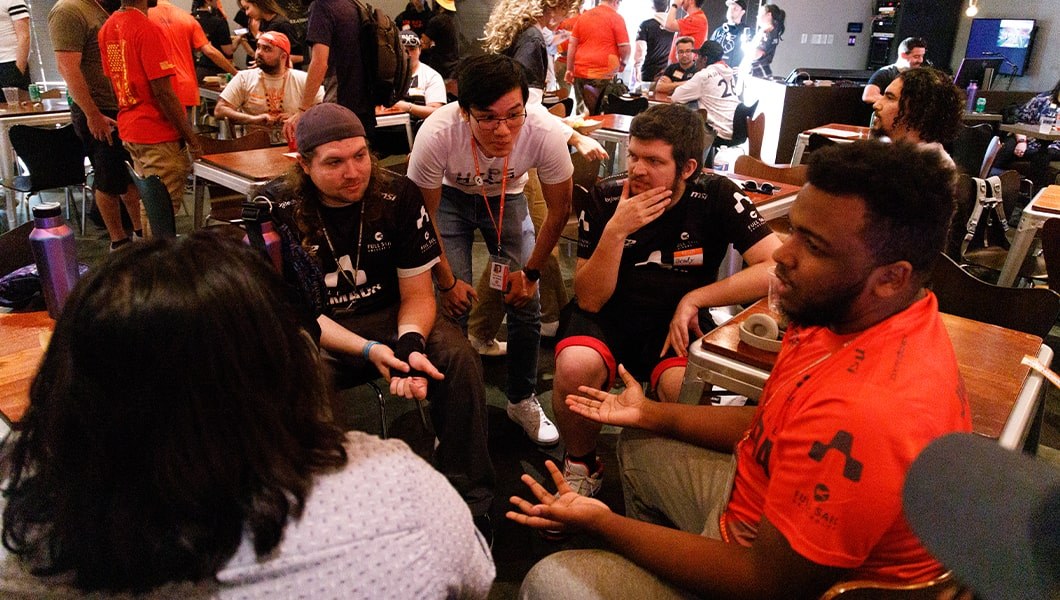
pixel 688 258
pixel 679 74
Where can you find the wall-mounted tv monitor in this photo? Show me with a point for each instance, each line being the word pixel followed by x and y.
pixel 1011 39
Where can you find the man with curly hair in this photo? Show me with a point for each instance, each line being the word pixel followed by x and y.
pixel 921 106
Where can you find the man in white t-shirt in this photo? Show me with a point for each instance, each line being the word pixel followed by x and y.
pixel 14 43
pixel 470 161
pixel 265 96
pixel 427 88
pixel 712 88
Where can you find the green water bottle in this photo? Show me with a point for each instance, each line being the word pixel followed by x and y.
pixel 34 92
pixel 980 105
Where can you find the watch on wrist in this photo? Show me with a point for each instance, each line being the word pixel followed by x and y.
pixel 675 7
pixel 532 275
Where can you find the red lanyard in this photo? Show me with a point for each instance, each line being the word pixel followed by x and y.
pixel 482 187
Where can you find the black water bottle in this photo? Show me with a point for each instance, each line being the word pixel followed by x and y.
pixel 55 252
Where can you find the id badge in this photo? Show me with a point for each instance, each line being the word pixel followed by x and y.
pixel 499 269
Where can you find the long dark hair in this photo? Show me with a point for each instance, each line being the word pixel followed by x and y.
pixel 307 212
pixel 179 405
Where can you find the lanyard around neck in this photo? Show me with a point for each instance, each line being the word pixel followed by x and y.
pixel 482 188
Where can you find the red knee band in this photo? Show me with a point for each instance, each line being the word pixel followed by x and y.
pixel 669 363
pixel 601 349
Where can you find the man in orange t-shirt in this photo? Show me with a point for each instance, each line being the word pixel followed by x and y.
pixel 152 120
pixel 866 379
pixel 182 33
pixel 694 25
pixel 598 48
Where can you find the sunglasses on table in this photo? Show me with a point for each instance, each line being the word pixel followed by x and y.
pixel 762 188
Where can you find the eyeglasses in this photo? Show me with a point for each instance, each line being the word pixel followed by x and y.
pixel 761 188
pixel 692 51
pixel 493 122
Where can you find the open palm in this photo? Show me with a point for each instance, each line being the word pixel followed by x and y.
pixel 624 410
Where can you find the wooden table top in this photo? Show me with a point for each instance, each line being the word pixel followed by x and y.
pixel 28 108
pixel 1031 131
pixel 841 131
pixel 988 357
pixel 618 123
pixel 262 164
pixel 782 190
pixel 23 339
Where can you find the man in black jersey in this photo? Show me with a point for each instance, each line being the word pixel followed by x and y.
pixel 649 246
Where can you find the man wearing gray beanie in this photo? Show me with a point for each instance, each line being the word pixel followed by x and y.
pixel 375 245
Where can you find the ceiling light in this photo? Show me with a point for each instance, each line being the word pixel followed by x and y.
pixel 973 8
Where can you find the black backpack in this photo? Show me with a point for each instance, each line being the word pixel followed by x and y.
pixel 386 65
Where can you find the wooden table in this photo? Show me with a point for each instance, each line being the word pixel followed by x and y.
pixel 238 171
pixel 23 339
pixel 770 206
pixel 392 117
pixel 1031 131
pixel 838 132
pixel 614 135
pixel 1003 393
pixel 48 112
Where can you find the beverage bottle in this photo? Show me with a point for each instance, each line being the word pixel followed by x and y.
pixel 971 91
pixel 261 234
pixel 34 93
pixel 980 105
pixel 55 253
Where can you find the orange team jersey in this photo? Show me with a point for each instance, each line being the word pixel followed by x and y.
pixel 182 33
pixel 694 25
pixel 134 55
pixel 599 31
pixel 841 420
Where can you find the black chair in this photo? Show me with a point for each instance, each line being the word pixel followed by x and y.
pixel 970 146
pixel 614 104
pixel 156 202
pixel 54 158
pixel 740 118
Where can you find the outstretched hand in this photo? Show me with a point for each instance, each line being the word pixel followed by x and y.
pixel 415 387
pixel 564 511
pixel 625 409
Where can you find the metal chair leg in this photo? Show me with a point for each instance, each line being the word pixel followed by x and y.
pixel 382 409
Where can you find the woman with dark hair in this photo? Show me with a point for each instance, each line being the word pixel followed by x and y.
pixel 769 32
pixel 178 442
pixel 272 17
pixel 1039 152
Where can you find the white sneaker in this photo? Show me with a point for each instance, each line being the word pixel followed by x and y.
pixel 528 414
pixel 580 479
pixel 490 347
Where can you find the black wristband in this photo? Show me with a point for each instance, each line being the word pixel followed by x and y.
pixel 532 275
pixel 444 290
pixel 407 344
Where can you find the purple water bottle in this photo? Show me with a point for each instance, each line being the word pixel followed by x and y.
pixel 971 91
pixel 257 220
pixel 52 242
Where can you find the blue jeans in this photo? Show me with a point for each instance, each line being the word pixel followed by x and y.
pixel 459 215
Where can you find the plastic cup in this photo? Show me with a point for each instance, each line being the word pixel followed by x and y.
pixel 11 96
pixel 773 300
pixel 1044 126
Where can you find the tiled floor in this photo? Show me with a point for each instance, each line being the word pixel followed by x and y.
pixel 516 548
